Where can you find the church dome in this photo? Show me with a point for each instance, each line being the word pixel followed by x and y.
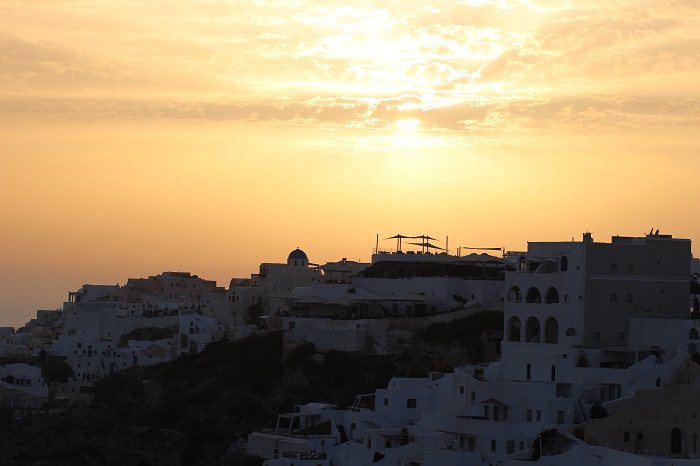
pixel 297 254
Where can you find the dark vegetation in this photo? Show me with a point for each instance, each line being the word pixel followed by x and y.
pixel 199 408
pixel 147 334
pixel 462 330
pixel 694 287
pixel 598 411
pixel 195 410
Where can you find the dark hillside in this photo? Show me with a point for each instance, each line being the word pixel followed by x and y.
pixel 193 410
pixel 199 408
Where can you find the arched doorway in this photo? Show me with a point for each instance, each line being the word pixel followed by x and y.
pixel 533 296
pixel 532 330
pixel 513 329
pixel 551 330
pixel 552 296
pixel 514 295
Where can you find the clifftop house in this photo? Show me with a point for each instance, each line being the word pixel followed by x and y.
pixel 588 327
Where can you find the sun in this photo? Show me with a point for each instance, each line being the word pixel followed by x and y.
pixel 407 124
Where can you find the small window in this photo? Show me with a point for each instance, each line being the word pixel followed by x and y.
pixel 386 401
pixel 387 444
pixel 613 268
pixel 461 390
pixel 510 447
pixel 613 298
pixel 596 337
pixel 493 444
pixel 529 415
pixel 411 403
pixel 630 269
pixel 621 338
pixel 626 436
pixel 640 436
pixel 628 298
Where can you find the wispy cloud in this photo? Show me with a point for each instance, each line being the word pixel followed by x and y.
pixel 471 66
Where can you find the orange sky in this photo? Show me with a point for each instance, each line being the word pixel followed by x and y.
pixel 139 136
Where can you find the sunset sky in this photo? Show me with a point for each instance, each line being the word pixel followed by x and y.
pixel 139 136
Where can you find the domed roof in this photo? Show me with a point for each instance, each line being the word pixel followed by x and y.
pixel 297 254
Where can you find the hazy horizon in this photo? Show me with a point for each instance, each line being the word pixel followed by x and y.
pixel 212 135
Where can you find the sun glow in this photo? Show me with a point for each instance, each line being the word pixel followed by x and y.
pixel 407 124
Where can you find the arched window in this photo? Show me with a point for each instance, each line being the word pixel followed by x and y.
pixel 693 334
pixel 514 295
pixel 513 329
pixel 570 332
pixel 564 264
pixel 551 330
pixel 533 295
pixel 532 330
pixel 552 296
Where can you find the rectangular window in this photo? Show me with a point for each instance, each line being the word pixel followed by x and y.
pixel 553 375
pixel 528 371
pixel 529 415
pixel 596 337
pixel 613 268
pixel 626 437
pixel 387 444
pixel 461 390
pixel 630 269
pixel 613 298
pixel 386 401
pixel 510 447
pixel 640 436
pixel 486 411
pixel 538 415
pixel 493 444
pixel 473 396
pixel 560 417
pixel 628 298
pixel 411 403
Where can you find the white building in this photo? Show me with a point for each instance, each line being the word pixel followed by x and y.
pixel 585 323
pixel 22 386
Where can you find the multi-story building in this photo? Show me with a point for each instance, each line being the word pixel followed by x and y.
pixel 585 324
